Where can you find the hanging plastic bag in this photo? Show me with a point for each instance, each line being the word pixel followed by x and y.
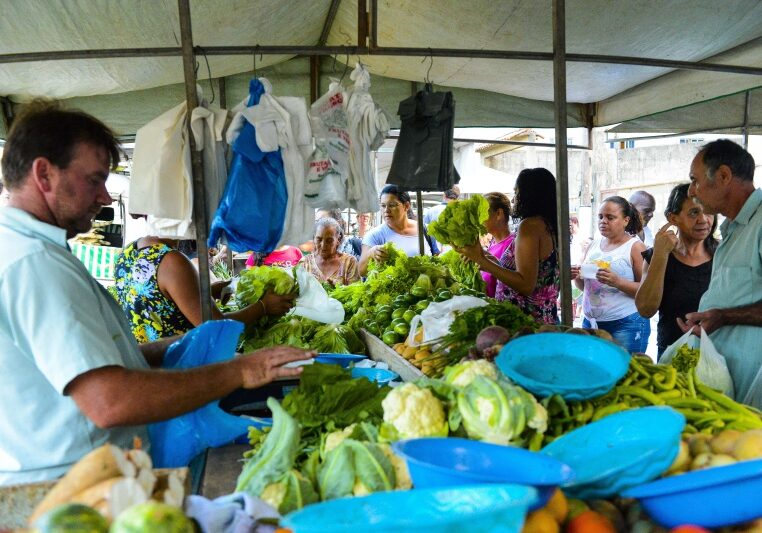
pixel 253 207
pixel 176 441
pixel 313 301
pixel 423 156
pixel 438 316
pixel 712 369
pixel 329 164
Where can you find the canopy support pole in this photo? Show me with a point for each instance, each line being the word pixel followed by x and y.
pixel 562 163
pixel 746 108
pixel 419 206
pixel 197 165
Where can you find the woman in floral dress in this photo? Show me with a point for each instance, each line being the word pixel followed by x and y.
pixel 528 272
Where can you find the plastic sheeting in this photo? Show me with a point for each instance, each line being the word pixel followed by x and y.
pixel 503 92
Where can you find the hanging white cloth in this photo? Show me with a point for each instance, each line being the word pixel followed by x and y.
pixel 161 185
pixel 368 126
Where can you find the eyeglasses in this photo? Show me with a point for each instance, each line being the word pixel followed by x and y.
pixel 390 207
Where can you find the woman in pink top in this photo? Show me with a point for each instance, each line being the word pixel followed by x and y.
pixel 497 226
pixel 284 257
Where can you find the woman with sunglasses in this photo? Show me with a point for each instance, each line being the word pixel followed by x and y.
pixel 677 269
pixel 396 228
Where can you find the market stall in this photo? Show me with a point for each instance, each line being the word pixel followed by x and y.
pixel 293 465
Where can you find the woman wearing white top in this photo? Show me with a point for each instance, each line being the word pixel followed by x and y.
pixel 609 297
pixel 397 228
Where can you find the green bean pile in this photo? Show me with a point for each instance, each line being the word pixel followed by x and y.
pixel 706 410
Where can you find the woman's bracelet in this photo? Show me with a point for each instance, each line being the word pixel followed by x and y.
pixel 264 308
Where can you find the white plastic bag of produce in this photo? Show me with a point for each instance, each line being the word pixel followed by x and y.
pixel 712 368
pixel 314 303
pixel 438 316
pixel 754 396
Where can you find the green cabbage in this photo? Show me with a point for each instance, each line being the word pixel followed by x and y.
pixel 493 411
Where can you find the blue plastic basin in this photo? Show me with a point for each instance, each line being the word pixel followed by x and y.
pixel 343 359
pixel 442 462
pixel 477 508
pixel 578 367
pixel 714 497
pixel 379 375
pixel 619 451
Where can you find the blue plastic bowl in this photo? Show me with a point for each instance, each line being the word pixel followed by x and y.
pixel 343 359
pixel 443 462
pixel 379 375
pixel 619 451
pixel 714 497
pixel 476 508
pixel 578 367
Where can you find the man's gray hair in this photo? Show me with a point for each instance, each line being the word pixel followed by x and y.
pixel 726 152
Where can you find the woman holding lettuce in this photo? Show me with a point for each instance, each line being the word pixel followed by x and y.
pixel 158 289
pixel 527 272
pixel 396 228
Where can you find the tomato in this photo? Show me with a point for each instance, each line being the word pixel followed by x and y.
pixel 590 522
pixel 402 329
pixel 391 338
pixel 408 315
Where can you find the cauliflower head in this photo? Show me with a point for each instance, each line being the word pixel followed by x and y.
pixel 411 412
pixel 462 374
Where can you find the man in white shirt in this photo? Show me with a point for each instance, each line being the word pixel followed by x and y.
pixel 645 205
pixel 73 376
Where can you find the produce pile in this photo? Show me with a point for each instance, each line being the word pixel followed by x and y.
pixel 330 436
pixel 706 410
pixel 393 293
pixel 116 488
pixel 302 332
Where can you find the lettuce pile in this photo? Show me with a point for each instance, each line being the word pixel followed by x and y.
pixel 462 222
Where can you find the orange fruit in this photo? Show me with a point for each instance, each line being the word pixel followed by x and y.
pixel 558 506
pixel 688 529
pixel 540 521
pixel 590 522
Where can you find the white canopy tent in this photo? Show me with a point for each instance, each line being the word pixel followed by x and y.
pixel 146 77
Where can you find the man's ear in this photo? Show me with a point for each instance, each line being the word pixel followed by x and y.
pixel 723 174
pixel 41 172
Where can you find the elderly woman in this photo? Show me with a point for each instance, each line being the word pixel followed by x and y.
pixel 158 289
pixel 327 264
pixel 527 272
pixel 677 269
pixel 397 228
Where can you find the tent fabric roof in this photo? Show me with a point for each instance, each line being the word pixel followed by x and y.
pixel 127 92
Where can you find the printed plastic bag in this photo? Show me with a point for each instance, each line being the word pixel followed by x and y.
pixel 326 186
pixel 438 316
pixel 176 441
pixel 253 208
pixel 314 303
pixel 712 369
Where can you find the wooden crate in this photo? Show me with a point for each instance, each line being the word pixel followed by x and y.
pixel 378 351
pixel 18 501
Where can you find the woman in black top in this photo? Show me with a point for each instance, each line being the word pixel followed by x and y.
pixel 677 269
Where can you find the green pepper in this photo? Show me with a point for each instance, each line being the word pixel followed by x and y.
pixel 423 304
pixel 390 338
pixel 419 292
pixel 397 313
pixel 408 315
pixel 665 381
pixel 648 396
pixel 402 329
pixel 609 410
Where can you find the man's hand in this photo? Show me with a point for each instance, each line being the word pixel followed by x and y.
pixel 263 366
pixel 711 320
pixel 276 305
